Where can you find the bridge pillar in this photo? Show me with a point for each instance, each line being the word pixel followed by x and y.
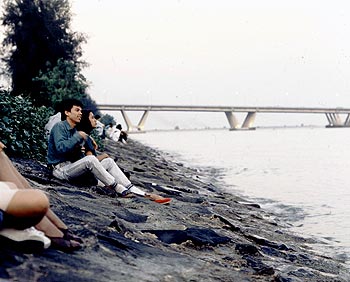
pixel 130 126
pixel 347 120
pixel 334 120
pixel 247 123
pixel 249 120
pixel 233 122
pixel 141 124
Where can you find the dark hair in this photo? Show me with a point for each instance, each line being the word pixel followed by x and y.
pixel 97 116
pixel 67 105
pixel 119 126
pixel 85 123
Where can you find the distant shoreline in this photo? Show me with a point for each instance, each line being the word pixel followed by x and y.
pixel 226 128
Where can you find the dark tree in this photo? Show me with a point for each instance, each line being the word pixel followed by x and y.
pixel 37 35
pixel 64 81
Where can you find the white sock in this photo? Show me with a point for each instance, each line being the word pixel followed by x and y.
pixel 137 191
pixel 119 188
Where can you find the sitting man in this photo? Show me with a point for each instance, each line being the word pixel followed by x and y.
pixel 66 158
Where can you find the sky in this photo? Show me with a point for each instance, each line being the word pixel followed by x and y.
pixel 218 52
pixel 223 52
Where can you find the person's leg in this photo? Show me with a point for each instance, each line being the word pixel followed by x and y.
pixel 9 173
pixel 112 168
pixel 50 224
pixel 88 163
pixel 26 209
pixel 110 165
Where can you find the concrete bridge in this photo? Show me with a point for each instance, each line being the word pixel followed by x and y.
pixel 336 117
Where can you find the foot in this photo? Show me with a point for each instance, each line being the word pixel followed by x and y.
pixel 65 245
pixel 124 192
pixel 158 199
pixel 69 235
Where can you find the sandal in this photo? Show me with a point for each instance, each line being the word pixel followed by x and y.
pixel 158 199
pixel 68 235
pixel 64 245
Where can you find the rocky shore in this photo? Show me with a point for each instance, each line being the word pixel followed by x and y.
pixel 204 234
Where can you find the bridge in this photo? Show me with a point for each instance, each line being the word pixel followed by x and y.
pixel 336 117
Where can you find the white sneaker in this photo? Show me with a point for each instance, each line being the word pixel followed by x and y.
pixel 28 240
pixel 46 240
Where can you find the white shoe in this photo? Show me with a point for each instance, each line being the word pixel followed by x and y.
pixel 27 240
pixel 46 240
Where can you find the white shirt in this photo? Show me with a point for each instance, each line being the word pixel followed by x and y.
pixel 52 121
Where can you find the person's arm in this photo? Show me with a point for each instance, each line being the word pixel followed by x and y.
pixel 90 149
pixel 63 141
pixel 89 146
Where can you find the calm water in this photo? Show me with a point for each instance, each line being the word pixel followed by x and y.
pixel 301 173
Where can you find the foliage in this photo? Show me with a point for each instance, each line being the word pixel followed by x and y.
pixel 64 81
pixel 107 119
pixel 37 35
pixel 22 126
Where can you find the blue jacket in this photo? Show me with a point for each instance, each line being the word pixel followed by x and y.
pixel 64 144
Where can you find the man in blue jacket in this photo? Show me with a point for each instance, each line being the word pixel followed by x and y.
pixel 68 162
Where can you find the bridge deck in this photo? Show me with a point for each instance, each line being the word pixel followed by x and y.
pixel 332 114
pixel 223 109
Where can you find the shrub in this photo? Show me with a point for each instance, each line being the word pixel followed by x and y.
pixel 22 126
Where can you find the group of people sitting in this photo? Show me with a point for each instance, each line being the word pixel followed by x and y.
pixel 116 133
pixel 25 215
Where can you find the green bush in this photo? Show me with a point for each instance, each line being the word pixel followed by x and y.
pixel 22 126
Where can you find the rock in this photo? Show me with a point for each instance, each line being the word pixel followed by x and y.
pixel 130 216
pixel 198 236
pixel 258 266
pixel 247 249
pixel 204 234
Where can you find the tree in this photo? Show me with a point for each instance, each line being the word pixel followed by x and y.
pixel 107 119
pixel 37 35
pixel 64 81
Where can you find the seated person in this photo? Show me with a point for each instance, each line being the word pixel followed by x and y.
pixel 53 119
pixel 20 210
pixel 15 191
pixel 123 136
pixel 100 127
pixel 68 162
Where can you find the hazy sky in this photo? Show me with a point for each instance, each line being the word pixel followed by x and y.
pixel 222 52
pixel 217 52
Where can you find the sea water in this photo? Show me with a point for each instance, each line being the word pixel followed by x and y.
pixel 302 174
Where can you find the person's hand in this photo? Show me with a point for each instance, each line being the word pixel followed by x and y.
pixel 2 146
pixel 102 156
pixel 83 134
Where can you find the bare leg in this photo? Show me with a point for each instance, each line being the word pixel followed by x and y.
pixel 26 208
pixel 50 224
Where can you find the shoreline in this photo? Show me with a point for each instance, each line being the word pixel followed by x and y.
pixel 333 242
pixel 204 234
